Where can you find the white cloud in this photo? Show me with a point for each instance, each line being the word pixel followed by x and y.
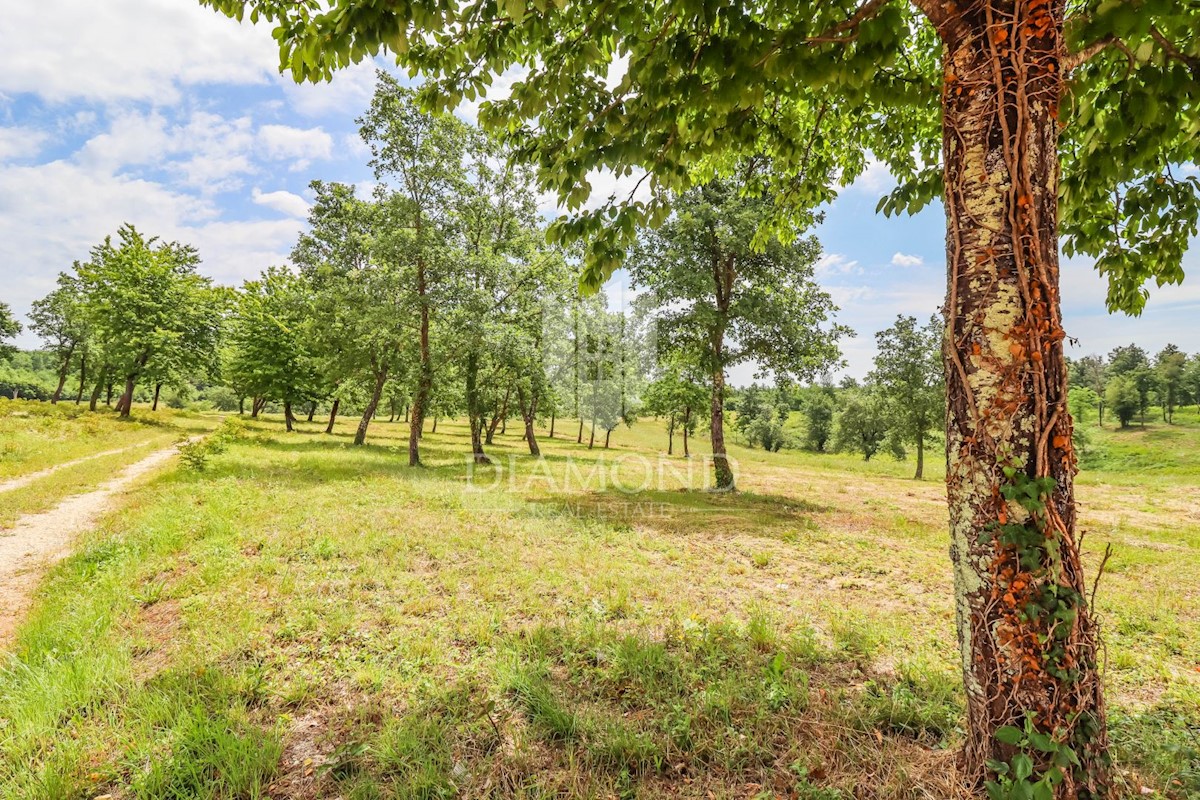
pixel 832 264
pixel 905 260
pixel 285 202
pixel 285 143
pixel 20 142
pixel 127 49
pixel 348 94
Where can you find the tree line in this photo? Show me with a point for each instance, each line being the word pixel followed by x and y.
pixel 1129 382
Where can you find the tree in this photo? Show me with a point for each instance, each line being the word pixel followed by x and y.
pixel 908 375
pixel 713 83
pixel 1131 361
pixel 1081 401
pixel 9 327
pixel 1191 378
pixel 1092 373
pixel 862 427
pixel 60 320
pixel 270 353
pixel 1123 398
pixel 721 299
pixel 819 410
pixel 150 310
pixel 423 155
pixel 1169 366
pixel 676 396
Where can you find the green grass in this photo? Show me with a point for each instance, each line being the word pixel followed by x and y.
pixel 304 618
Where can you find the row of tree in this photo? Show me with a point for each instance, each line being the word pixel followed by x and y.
pixel 1128 382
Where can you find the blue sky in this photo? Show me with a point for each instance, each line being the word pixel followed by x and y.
pixel 161 113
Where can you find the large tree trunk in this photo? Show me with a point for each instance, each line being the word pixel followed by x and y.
pixel 360 436
pixel 125 402
pixel 337 401
pixel 1027 638
pixel 721 469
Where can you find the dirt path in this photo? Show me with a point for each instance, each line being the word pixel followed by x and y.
pixel 24 480
pixel 38 540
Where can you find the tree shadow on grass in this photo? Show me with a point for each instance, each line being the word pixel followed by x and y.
pixel 691 512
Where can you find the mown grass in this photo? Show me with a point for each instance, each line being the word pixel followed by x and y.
pixel 308 619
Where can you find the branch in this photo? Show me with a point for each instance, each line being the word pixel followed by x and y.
pixel 1073 61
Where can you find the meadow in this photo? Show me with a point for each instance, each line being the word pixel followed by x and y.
pixel 295 617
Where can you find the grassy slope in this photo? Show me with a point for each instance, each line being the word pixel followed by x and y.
pixel 322 620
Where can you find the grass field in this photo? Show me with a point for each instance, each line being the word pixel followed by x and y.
pixel 303 618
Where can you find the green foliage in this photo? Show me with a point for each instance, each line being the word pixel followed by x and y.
pixel 909 379
pixel 1121 395
pixel 195 453
pixel 9 327
pixel 819 411
pixel 862 427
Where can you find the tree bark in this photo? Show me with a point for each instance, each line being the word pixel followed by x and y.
pixel 82 378
pixel 607 436
pixel 241 406
pixel 529 415
pixel 721 469
pixel 424 383
pixel 687 420
pixel 312 411
pixel 920 474
pixel 125 401
pixel 287 415
pixel 579 438
pixel 108 394
pixel 552 411
pixel 100 383
pixel 157 390
pixel 1027 638
pixel 360 435
pixel 671 435
pixel 62 376
pixel 337 401
pixel 435 422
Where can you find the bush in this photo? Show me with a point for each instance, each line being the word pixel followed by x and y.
pixel 222 398
pixel 195 453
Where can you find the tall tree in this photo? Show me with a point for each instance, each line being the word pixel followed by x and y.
pixel 1092 373
pixel 60 320
pixel 269 349
pixel 1132 362
pixel 722 298
pixel 988 103
pixel 678 397
pixel 908 374
pixel 419 157
pixel 149 308
pixel 1169 366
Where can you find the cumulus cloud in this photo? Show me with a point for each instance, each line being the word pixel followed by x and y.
pixel 301 145
pixel 833 264
pixel 20 142
pixel 905 260
pixel 127 50
pixel 284 202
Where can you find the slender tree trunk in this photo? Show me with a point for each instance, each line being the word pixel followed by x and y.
pixel 157 390
pixel 337 401
pixel 108 394
pixel 100 383
pixel 241 406
pixel 1027 637
pixel 435 421
pixel 82 378
pixel 62 376
pixel 579 438
pixel 360 435
pixel 552 411
pixel 474 409
pixel 256 406
pixel 721 468
pixel 406 412
pixel 607 436
pixel 529 414
pixel 312 411
pixel 671 435
pixel 288 419
pixel 424 383
pixel 687 420
pixel 920 474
